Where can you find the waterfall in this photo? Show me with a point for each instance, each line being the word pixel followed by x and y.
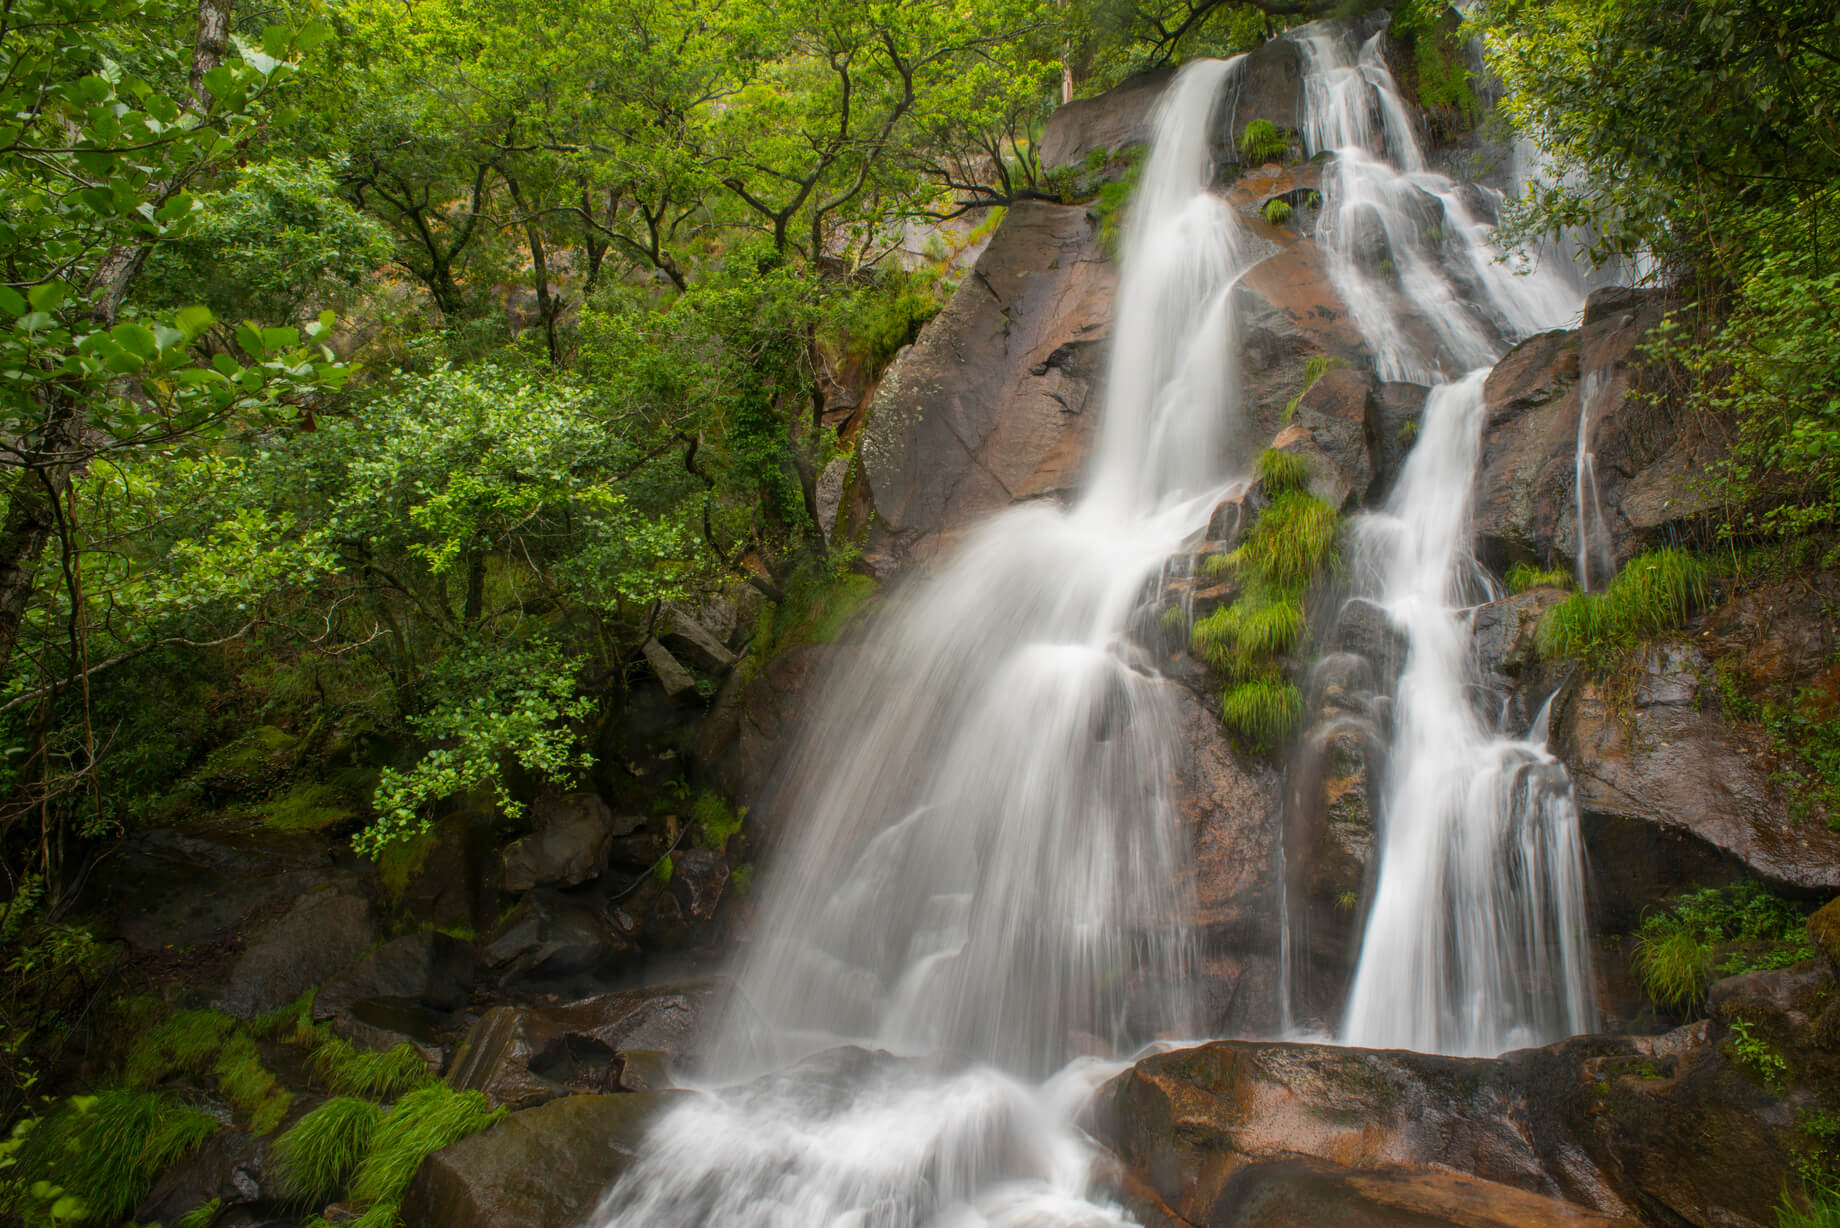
pixel 1595 563
pixel 1473 938
pixel 985 872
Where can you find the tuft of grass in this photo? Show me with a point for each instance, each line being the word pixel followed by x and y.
pixel 1277 211
pixel 184 1044
pixel 1722 930
pixel 1654 593
pixel 320 1154
pixel 421 1124
pixel 1262 141
pixel 1216 567
pixel 109 1149
pixel 1525 577
pixel 1260 625
pixel 249 1086
pixel 1293 539
pixel 1282 471
pixel 1823 1208
pixel 1264 711
pixel 350 1071
pixel 285 1021
pixel 1314 368
pixel 201 1216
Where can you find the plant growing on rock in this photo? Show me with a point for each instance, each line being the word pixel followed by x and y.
pixel 1262 141
pixel 1653 594
pixel 1277 211
pixel 1314 368
pixel 108 1149
pixel 1525 577
pixel 320 1153
pixel 1723 930
pixel 1281 471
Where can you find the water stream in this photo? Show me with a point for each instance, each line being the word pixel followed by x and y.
pixel 980 914
pixel 1473 938
pixel 986 875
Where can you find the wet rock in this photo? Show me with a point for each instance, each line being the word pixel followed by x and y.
pixel 1268 85
pixel 1112 122
pixel 690 639
pixel 167 887
pixel 322 933
pixel 428 968
pixel 1310 1193
pixel 990 405
pixel 672 676
pixel 1824 933
pixel 548 935
pixel 521 1056
pixel 698 879
pixel 228 1167
pixel 569 846
pixel 381 1024
pixel 545 1165
pixel 1672 796
pixel 1342 420
pixel 1647 460
pixel 1289 312
pixel 1328 848
pixel 745 752
pixel 455 882
pixel 1400 407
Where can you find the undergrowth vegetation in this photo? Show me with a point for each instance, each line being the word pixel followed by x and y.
pixel 1525 577
pixel 1262 141
pixel 1713 932
pixel 1654 593
pixel 106 1150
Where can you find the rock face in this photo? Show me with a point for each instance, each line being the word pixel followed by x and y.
pixel 1677 1128
pixel 1671 795
pixel 995 402
pixel 428 969
pixel 523 1056
pixel 1525 498
pixel 548 1165
pixel 569 846
pixel 1115 121
pixel 326 930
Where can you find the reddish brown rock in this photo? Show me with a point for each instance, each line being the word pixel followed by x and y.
pixel 1112 122
pixel 996 401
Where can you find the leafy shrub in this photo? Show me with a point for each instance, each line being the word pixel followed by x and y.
pixel 320 1153
pixel 1262 141
pixel 1277 211
pixel 1655 592
pixel 1281 471
pixel 1525 577
pixel 1265 711
pixel 1727 930
pixel 1756 1056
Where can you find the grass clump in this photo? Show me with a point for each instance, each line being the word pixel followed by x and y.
pixel 201 1216
pixel 1654 593
pixel 1722 930
pixel 1216 567
pixel 1259 626
pixel 1262 141
pixel 1525 577
pixel 1281 471
pixel 320 1154
pixel 1314 368
pixel 421 1124
pixel 109 1149
pixel 186 1043
pixel 1293 539
pixel 1265 711
pixel 350 1071
pixel 249 1086
pixel 1277 211
pixel 1823 1209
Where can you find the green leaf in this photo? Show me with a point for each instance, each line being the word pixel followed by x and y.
pixel 137 339
pixel 192 321
pixel 47 296
pixel 12 303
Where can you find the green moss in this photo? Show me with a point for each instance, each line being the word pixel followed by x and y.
pixel 1282 471
pixel 741 878
pixel 400 861
pixel 717 820
pixel 1654 593
pixel 184 1044
pixel 1277 211
pixel 1264 711
pixel 306 807
pixel 251 765
pixel 1262 141
pixel 1525 577
pixel 320 1154
pixel 109 1149
pixel 349 1071
pixel 662 870
pixel 1114 194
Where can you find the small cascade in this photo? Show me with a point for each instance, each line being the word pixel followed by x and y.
pixel 1472 942
pixel 1595 563
pixel 986 872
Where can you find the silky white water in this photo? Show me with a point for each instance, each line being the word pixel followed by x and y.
pixel 985 873
pixel 1473 940
pixel 1594 564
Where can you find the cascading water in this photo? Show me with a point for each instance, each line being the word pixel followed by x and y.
pixel 986 868
pixel 1473 939
pixel 1594 558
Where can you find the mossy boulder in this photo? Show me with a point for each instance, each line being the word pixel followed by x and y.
pixel 1824 933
